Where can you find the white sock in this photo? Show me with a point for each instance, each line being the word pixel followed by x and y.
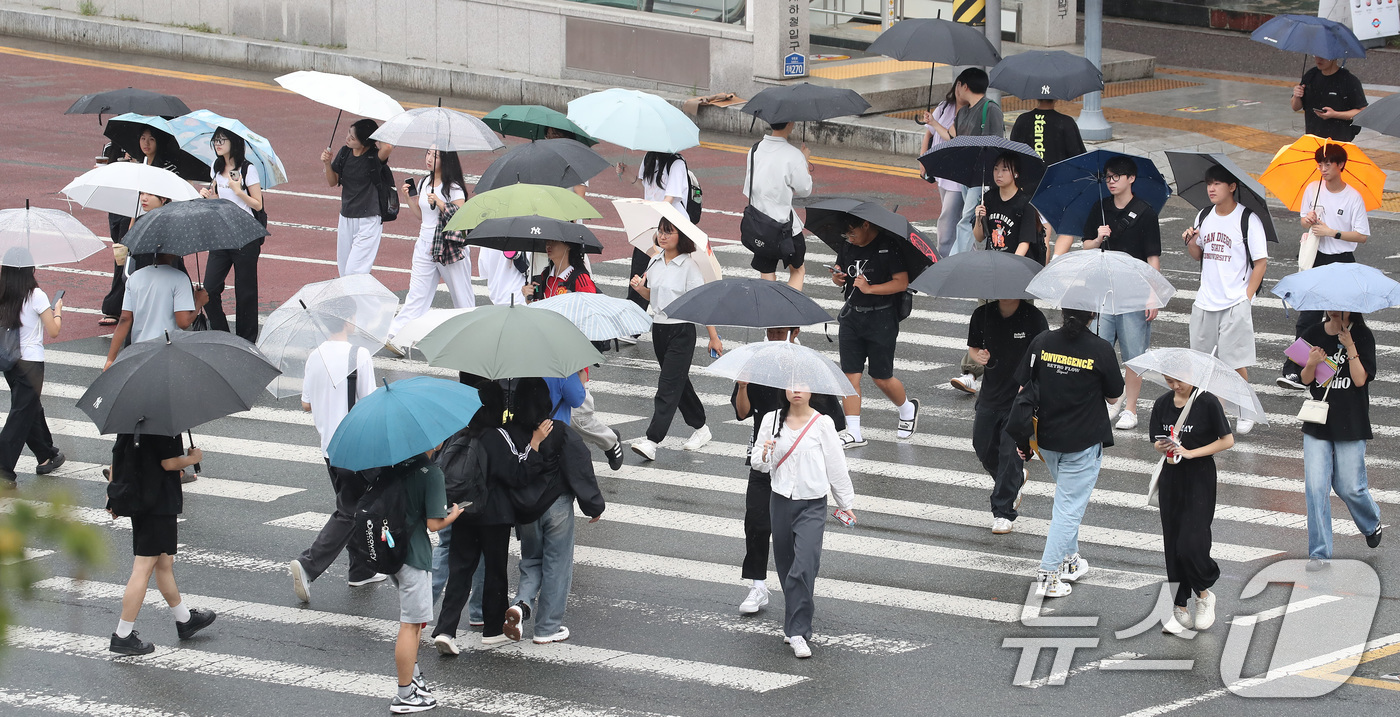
pixel 181 613
pixel 906 412
pixel 853 426
pixel 416 673
pixel 760 584
pixel 124 628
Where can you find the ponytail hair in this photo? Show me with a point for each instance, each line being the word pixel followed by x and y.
pixel 1075 322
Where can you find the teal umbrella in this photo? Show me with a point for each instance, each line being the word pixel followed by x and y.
pixel 532 122
pixel 635 120
pixel 400 420
pixel 510 342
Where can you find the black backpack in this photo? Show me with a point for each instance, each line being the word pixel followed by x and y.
pixel 10 347
pixel 388 194
pixel 464 472
pixel 694 197
pixel 380 534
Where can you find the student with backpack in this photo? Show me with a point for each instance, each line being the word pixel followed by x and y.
pixel 979 116
pixel 236 179
pixel 778 172
pixel 359 169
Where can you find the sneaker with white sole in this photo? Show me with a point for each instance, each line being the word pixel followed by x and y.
pixel 1073 568
pixel 1050 585
pixel 514 616
pixel 644 448
pixel 614 455
pixel 756 600
pixel 1114 409
pixel 967 383
pixel 1000 526
pixel 1243 426
pixel 559 635
pixel 1127 420
pixel 446 645
pixel 905 429
pixel 416 701
pixel 301 584
pixel 1021 492
pixel 375 578
pixel 1179 623
pixel 698 439
pixel 494 640
pixel 1205 611
pixel 1291 380
pixel 799 647
pixel 849 441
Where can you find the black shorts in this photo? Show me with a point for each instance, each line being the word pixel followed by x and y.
pixel 868 335
pixel 799 253
pixel 153 535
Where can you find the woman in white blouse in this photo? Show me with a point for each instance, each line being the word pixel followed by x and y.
pixel 806 460
pixel 434 259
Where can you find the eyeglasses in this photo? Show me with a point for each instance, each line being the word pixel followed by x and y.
pixel 221 140
pixel 1111 178
pixel 669 231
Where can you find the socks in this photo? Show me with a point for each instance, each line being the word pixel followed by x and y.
pixel 760 584
pixel 406 691
pixel 124 628
pixel 181 613
pixel 417 675
pixel 853 426
pixel 906 412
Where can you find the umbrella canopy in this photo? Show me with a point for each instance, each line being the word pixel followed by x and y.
pixel 529 233
pixel 44 237
pixel 115 102
pixel 554 162
pixel 342 92
pixel 804 102
pixel 1070 187
pixel 600 317
pixel 640 219
pixel 438 128
pixel 533 122
pixel 510 342
pixel 979 275
pixel 164 387
pixel 635 120
pixel 782 364
pixel 1207 373
pixel 195 133
pixel 1295 167
pixel 1311 35
pixel 125 131
pixel 117 187
pixel 184 228
pixel 1189 169
pixel 357 304
pixel 1046 75
pixel 401 420
pixel 969 160
pixel 1339 287
pixel 1105 282
pixel 1383 116
pixel 935 41
pixel 827 219
pixel 414 331
pixel 754 303
pixel 518 200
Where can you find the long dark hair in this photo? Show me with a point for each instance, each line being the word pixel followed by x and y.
pixel 16 284
pixel 1075 321
pixel 236 151
pixel 163 145
pixel 449 172
pixel 656 164
pixel 363 129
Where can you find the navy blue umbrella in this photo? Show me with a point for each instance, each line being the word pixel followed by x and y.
pixel 1070 188
pixel 969 160
pixel 1312 35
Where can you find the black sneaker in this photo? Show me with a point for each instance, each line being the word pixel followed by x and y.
pixel 417 701
pixel 614 455
pixel 51 464
pixel 199 619
pixel 1291 380
pixel 130 645
pixel 1374 539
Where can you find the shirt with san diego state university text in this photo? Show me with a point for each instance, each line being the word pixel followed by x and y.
pixel 1224 268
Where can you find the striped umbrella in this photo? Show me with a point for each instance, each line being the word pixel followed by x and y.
pixel 598 316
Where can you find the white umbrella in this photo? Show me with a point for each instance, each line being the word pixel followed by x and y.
pixel 342 92
pixel 598 316
pixel 117 187
pixel 782 364
pixel 438 128
pixel 1206 373
pixel 1106 282
pixel 313 314
pixel 414 331
pixel 640 218
pixel 43 237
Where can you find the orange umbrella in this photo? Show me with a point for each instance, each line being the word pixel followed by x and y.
pixel 1295 167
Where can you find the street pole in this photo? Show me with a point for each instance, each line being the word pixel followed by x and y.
pixel 1092 125
pixel 993 29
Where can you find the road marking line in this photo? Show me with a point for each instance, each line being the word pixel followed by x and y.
pixel 72 704
pixel 1277 612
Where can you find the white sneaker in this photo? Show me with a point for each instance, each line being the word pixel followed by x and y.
pixel 849 441
pixel 301 584
pixel 375 578
pixel 1127 420
pixel 799 646
pixel 494 640
pixel 446 645
pixel 1180 622
pixel 698 439
pixel 966 383
pixel 1021 492
pixel 644 448
pixel 1000 526
pixel 757 599
pixel 1073 568
pixel 1114 409
pixel 560 635
pixel 1205 611
pixel 1051 585
pixel 1243 426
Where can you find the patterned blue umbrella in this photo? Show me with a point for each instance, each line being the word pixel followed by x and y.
pixel 598 316
pixel 195 132
pixel 1070 187
pixel 400 420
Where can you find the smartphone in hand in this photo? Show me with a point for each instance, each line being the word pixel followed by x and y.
pixel 59 296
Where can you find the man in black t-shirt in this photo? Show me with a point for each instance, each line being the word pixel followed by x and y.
pixel 1329 96
pixel 1053 135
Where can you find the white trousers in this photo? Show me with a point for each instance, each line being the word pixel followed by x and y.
pixel 357 244
pixel 422 283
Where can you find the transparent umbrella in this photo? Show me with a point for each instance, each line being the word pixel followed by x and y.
pixel 438 128
pixel 356 309
pixel 781 364
pixel 414 331
pixel 1106 282
pixel 1206 373
pixel 43 237
pixel 599 317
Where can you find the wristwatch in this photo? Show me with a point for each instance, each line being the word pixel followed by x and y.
pixel 1338 235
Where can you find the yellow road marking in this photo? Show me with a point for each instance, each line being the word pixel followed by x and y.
pixel 1330 670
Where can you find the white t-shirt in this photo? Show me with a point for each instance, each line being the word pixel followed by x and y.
pixel 323 386
pixel 153 295
pixel 430 215
pixel 674 183
pixel 31 327
pixel 1224 270
pixel 1344 211
pixel 502 280
pixel 668 280
pixel 226 192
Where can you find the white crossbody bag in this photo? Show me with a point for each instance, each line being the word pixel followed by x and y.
pixel 1315 411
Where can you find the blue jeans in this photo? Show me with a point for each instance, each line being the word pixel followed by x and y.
pixel 1075 475
pixel 440 576
pixel 1132 331
pixel 547 564
pixel 1336 466
pixel 972 196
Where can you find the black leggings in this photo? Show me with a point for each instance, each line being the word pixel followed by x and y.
pixel 1187 499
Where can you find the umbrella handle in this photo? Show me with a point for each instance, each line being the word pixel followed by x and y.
pixel 335 129
pixel 191 435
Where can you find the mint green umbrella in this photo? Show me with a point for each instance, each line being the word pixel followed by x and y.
pixel 532 122
pixel 519 200
pixel 514 341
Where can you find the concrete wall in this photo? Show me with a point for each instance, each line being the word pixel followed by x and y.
pixel 310 22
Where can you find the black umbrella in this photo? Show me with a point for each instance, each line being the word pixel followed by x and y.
pixel 529 233
pixel 979 275
pixel 1047 75
pixel 936 41
pixel 127 135
pixel 555 162
pixel 969 160
pixel 1189 169
pixel 754 303
pixel 804 102
pixel 115 102
pixel 1383 116
pixel 828 220
pixel 183 228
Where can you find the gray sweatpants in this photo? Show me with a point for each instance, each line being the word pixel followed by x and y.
pixel 798 527
pixel 589 427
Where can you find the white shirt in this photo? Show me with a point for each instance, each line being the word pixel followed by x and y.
pixel 675 182
pixel 31 327
pixel 1344 211
pixel 430 214
pixel 1224 271
pixel 502 280
pixel 668 280
pixel 226 192
pixel 327 369
pixel 779 174
pixel 817 464
pixel 946 113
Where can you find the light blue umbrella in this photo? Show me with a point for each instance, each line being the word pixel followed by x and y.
pixel 635 120
pixel 598 316
pixel 1339 287
pixel 195 131
pixel 400 420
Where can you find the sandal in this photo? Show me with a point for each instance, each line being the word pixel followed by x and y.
pixel 906 429
pixel 107 321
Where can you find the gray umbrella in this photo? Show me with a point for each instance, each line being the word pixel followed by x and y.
pixel 1189 170
pixel 936 41
pixel 555 162
pixel 804 102
pixel 747 302
pixel 1047 75
pixel 979 275
pixel 184 228
pixel 1383 116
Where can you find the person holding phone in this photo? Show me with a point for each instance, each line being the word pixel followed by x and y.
pixel 235 179
pixel 1329 97
pixel 440 193
pixel 25 308
pixel 806 460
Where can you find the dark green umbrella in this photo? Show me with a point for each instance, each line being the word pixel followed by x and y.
pixel 532 122
pixel 529 233
pixel 514 341
pixel 518 200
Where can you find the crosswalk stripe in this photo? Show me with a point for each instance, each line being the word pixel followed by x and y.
pixel 71 704
pixel 82 514
pixel 569 653
pixel 217 487
pixel 208 664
